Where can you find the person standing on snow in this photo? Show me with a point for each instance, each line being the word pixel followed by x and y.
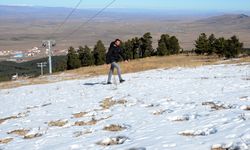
pixel 112 57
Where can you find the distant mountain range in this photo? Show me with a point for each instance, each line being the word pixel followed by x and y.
pixel 240 20
pixel 226 18
pixel 24 27
pixel 32 12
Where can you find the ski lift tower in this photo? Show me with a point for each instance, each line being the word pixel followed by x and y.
pixel 49 44
pixel 42 65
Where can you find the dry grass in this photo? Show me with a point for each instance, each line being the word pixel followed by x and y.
pixel 92 122
pixel 58 123
pixel 150 63
pixel 20 132
pixel 79 115
pixel 6 141
pixel 109 102
pixel 114 128
pixel 130 67
pixel 237 61
pixel 88 123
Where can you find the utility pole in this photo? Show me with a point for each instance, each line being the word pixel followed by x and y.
pixel 49 44
pixel 41 65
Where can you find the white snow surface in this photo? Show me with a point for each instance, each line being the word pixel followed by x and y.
pixel 155 100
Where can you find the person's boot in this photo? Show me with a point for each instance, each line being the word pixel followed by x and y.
pixel 121 81
pixel 109 82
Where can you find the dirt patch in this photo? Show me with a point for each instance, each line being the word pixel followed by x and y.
pixel 20 115
pixel 6 141
pixel 7 118
pixel 216 106
pixel 20 132
pixel 58 123
pixel 79 115
pixel 109 102
pixel 32 136
pixel 225 147
pixel 114 128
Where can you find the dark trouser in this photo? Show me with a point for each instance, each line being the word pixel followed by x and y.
pixel 111 71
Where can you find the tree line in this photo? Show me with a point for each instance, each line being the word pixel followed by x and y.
pixel 141 47
pixel 135 48
pixel 228 48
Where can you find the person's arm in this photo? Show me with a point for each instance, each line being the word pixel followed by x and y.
pixel 122 54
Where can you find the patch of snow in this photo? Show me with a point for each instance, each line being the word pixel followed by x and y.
pixel 170 94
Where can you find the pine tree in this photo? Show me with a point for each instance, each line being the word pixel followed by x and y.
pixel 86 56
pixel 136 47
pixel 220 46
pixel 163 45
pixel 128 49
pixel 99 53
pixel 168 45
pixel 201 44
pixel 174 45
pixel 146 45
pixel 81 54
pixel 211 44
pixel 73 60
pixel 233 47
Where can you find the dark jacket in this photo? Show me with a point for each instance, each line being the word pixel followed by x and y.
pixel 114 54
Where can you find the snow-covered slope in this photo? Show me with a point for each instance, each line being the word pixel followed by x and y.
pixel 179 108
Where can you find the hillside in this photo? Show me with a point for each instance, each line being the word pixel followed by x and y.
pixel 240 21
pixel 130 67
pixel 30 69
pixel 170 108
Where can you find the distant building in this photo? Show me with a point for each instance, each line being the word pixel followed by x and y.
pixel 1 53
pixel 19 55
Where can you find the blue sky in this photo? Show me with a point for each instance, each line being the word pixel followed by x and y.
pixel 230 5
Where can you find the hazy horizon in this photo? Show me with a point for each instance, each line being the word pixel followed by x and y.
pixel 204 5
pixel 170 12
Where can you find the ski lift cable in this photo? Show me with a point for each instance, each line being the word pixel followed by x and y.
pixel 90 19
pixel 66 19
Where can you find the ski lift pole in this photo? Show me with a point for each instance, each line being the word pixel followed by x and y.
pixel 49 44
